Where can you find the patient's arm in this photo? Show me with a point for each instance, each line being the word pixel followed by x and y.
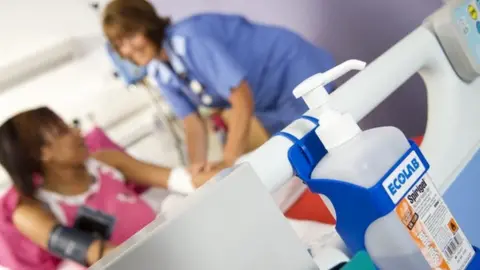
pixel 36 223
pixel 141 172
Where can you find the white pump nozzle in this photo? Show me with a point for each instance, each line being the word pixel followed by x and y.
pixel 312 90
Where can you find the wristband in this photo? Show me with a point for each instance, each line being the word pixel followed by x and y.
pixel 180 181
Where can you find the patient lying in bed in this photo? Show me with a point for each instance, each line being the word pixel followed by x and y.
pixel 62 191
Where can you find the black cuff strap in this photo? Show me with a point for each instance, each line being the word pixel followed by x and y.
pixel 69 243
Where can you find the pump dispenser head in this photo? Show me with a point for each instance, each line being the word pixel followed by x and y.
pixel 335 128
pixel 313 91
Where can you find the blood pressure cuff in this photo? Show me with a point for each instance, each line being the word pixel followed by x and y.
pixel 94 222
pixel 70 243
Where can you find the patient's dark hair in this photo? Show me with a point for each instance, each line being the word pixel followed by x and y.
pixel 21 140
pixel 125 17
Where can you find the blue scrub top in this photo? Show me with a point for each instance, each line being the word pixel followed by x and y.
pixel 220 51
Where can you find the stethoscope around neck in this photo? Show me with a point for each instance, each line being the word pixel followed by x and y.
pixel 177 66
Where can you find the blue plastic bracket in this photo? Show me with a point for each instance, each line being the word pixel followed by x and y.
pixel 304 155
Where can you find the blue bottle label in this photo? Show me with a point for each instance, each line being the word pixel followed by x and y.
pixel 404 176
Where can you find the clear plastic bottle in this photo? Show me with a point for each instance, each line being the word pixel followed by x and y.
pixel 363 160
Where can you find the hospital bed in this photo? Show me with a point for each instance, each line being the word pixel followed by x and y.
pixel 84 89
pixel 217 229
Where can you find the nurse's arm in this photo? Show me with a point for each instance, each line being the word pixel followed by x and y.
pixel 196 139
pixel 194 127
pixel 241 102
pixel 211 58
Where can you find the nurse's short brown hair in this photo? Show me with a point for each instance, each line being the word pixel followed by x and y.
pixel 122 18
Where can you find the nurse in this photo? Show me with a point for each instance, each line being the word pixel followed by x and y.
pixel 217 61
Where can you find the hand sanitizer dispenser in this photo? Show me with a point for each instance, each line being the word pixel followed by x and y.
pixel 377 181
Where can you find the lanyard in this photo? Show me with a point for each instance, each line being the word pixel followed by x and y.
pixel 177 66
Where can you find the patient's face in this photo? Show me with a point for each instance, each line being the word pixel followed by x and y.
pixel 65 147
pixel 137 48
